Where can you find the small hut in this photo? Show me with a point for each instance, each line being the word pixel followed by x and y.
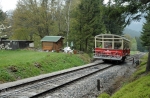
pixel 16 44
pixel 52 43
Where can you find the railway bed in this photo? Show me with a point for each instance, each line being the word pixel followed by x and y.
pixel 16 84
pixel 39 87
pixel 58 83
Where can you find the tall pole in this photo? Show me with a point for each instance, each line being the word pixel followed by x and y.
pixel 68 19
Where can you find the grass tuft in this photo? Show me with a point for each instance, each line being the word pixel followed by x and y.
pixel 104 95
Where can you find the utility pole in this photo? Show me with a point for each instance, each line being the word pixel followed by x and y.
pixel 68 19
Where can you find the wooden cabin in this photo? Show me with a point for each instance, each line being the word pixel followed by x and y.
pixel 52 43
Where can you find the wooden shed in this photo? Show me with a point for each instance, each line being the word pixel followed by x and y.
pixel 52 43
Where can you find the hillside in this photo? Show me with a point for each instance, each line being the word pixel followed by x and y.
pixel 131 32
pixel 20 64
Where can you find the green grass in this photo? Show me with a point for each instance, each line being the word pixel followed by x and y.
pixel 140 88
pixel 104 95
pixel 133 52
pixel 138 85
pixel 21 64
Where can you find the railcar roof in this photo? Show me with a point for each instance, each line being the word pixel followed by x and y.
pixel 112 35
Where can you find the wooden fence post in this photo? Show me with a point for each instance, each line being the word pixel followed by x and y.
pixel 133 61
pixel 98 85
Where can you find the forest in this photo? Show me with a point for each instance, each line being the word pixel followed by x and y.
pixel 76 20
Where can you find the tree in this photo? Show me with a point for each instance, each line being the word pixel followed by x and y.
pixel 60 19
pixel 133 44
pixel 2 16
pixel 35 17
pixel 87 23
pixel 134 10
pixel 5 24
pixel 114 18
pixel 145 38
pixel 127 36
pixel 139 45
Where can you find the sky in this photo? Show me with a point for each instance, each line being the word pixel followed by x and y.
pixel 7 5
pixel 11 4
pixel 137 26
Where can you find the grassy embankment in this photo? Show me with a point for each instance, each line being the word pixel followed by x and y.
pixel 138 86
pixel 19 64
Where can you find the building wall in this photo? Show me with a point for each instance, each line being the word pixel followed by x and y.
pixel 59 44
pixel 16 44
pixel 47 46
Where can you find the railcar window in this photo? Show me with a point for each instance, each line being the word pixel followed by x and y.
pixel 99 44
pixel 117 45
pixel 108 45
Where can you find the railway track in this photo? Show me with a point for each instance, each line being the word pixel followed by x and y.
pixel 41 87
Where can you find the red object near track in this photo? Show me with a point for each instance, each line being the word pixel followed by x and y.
pixel 111 47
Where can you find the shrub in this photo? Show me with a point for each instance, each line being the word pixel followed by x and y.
pixel 104 95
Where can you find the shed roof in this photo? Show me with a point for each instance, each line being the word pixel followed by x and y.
pixel 51 38
pixel 18 41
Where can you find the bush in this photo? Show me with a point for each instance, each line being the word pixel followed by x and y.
pixel 104 95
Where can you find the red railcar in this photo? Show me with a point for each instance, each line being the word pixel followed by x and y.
pixel 111 47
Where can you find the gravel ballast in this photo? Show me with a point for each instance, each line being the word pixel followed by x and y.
pixel 89 88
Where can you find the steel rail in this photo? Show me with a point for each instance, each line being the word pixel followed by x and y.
pixel 67 83
pixel 36 81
